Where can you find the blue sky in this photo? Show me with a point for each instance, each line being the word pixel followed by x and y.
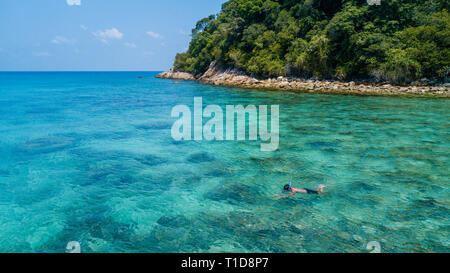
pixel 97 34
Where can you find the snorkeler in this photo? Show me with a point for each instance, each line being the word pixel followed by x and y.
pixel 293 191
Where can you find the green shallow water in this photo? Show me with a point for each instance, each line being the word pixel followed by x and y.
pixel 88 157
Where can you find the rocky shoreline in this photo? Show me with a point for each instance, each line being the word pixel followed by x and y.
pixel 216 76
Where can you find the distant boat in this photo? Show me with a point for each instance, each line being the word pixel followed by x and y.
pixel 139 77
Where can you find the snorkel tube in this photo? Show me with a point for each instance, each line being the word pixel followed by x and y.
pixel 288 187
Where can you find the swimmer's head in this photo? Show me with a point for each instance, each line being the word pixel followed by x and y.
pixel 287 187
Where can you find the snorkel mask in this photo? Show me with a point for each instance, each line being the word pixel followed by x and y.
pixel 288 187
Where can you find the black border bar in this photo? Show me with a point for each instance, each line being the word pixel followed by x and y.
pixel 223 262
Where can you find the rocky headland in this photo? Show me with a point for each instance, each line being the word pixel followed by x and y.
pixel 231 77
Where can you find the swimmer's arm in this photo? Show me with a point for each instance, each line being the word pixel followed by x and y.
pixel 278 193
pixel 287 196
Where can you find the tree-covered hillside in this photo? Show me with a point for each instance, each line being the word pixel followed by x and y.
pixel 398 41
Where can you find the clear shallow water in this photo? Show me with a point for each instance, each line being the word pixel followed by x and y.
pixel 88 157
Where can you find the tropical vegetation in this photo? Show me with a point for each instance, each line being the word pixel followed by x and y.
pixel 397 41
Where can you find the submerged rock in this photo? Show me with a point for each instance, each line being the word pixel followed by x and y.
pixel 151 160
pixel 359 185
pixel 115 175
pixel 242 222
pixel 153 183
pixel 188 181
pixel 47 145
pixel 177 221
pixel 233 193
pixel 99 225
pixel 190 238
pixel 295 229
pixel 200 157
pixel 205 230
pixel 217 172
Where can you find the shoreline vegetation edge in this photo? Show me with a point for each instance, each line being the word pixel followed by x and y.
pixel 234 78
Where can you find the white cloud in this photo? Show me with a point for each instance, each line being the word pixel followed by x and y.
pixel 154 35
pixel 61 40
pixel 148 53
pixel 108 34
pixel 73 2
pixel 130 45
pixel 41 54
pixel 83 27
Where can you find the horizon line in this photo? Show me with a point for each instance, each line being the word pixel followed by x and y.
pixel 82 70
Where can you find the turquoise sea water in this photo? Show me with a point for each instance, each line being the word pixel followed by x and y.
pixel 88 157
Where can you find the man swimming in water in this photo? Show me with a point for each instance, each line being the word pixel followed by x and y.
pixel 293 191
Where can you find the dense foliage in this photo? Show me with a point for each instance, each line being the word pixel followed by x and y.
pixel 398 41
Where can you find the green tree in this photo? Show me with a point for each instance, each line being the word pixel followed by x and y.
pixel 399 40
